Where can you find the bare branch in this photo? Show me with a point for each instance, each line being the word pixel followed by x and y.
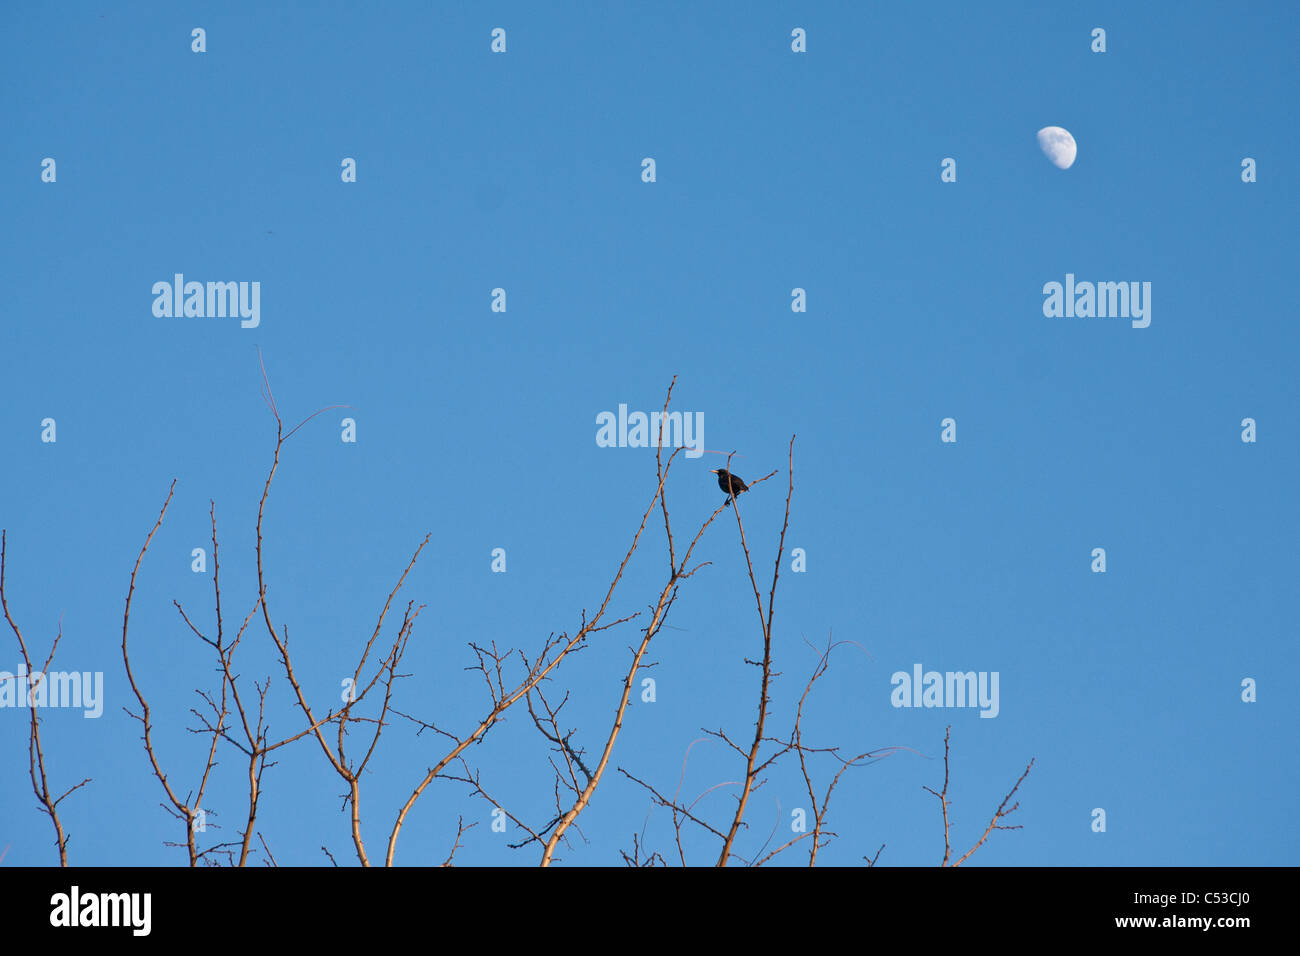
pixel 181 809
pixel 766 623
pixel 1002 811
pixel 677 572
pixel 35 752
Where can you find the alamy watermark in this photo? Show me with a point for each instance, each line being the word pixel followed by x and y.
pixel 946 689
pixel 1084 300
pixel 130 910
pixel 213 300
pixel 54 689
pixel 639 430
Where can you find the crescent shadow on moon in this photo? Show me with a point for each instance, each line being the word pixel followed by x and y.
pixel 1058 146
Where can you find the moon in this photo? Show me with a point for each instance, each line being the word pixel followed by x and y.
pixel 1058 146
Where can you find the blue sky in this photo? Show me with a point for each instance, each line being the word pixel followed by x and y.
pixel 774 171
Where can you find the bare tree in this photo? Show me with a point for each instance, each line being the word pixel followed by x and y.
pixel 231 715
pixel 35 754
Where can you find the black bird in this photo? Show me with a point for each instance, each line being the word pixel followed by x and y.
pixel 731 484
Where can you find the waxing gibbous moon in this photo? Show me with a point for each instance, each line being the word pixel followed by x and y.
pixel 1058 146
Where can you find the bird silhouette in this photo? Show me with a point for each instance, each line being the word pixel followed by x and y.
pixel 731 484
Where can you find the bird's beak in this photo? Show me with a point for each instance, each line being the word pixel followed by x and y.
pixel 714 470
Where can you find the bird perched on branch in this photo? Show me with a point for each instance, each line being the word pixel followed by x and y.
pixel 731 484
